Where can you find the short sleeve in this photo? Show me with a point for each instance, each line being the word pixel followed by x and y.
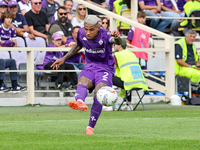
pixel 13 34
pixel 29 19
pixel 79 39
pixel 178 51
pixel 24 20
pixel 131 33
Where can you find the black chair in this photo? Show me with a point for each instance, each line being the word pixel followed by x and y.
pixel 126 100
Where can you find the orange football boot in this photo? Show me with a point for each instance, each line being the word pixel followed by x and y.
pixel 89 131
pixel 78 105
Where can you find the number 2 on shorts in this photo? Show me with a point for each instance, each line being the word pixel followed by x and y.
pixel 105 76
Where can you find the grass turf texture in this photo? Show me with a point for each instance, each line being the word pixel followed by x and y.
pixel 162 126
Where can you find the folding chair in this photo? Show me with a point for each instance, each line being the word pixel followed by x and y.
pixel 126 100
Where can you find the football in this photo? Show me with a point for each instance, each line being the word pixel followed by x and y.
pixel 107 96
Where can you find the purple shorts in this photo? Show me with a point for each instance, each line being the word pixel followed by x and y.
pixel 98 73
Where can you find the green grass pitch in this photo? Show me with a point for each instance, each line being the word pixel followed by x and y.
pixel 162 126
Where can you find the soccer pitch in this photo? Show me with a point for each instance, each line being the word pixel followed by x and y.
pixel 162 126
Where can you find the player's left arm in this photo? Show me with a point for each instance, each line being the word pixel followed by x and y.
pixel 116 40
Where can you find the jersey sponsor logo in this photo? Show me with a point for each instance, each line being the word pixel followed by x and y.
pixel 84 39
pixel 100 42
pixel 95 51
pixel 16 24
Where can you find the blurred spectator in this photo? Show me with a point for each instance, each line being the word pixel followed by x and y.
pixel 75 60
pixel 19 23
pixel 141 39
pixel 99 21
pixel 171 11
pixel 180 4
pixel 105 23
pixel 3 8
pixel 118 6
pixel 49 7
pixel 37 20
pixel 100 3
pixel 8 39
pixel 81 13
pixel 61 25
pixel 111 7
pixel 153 8
pixel 68 5
pixel 7 34
pixel 51 57
pixel 25 6
pixel 189 7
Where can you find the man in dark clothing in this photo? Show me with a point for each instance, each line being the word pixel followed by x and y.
pixel 100 3
pixel 61 25
pixel 37 20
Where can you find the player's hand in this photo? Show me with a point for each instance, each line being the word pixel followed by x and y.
pixel 114 34
pixel 57 63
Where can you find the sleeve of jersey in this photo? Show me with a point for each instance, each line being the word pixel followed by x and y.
pixel 79 39
pixel 178 51
pixel 13 35
pixel 130 34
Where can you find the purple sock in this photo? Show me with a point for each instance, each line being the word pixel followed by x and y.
pixel 95 113
pixel 81 92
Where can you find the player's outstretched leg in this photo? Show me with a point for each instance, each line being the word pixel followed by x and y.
pixel 94 116
pixel 80 95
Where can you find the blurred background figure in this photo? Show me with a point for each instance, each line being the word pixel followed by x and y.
pixel 105 23
pixel 81 13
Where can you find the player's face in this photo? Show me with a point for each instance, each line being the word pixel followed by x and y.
pixel 3 9
pixel 190 38
pixel 91 31
pixel 68 6
pixel 141 20
pixel 74 33
pixel 105 24
pixel 57 42
pixel 8 21
pixel 36 5
pixel 13 9
pixel 82 10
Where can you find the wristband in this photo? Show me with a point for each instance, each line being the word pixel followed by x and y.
pixel 25 35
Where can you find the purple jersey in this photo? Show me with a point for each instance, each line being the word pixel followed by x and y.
pixel 7 34
pixel 180 4
pixel 166 3
pixel 51 56
pixel 98 50
pixel 149 2
pixel 75 58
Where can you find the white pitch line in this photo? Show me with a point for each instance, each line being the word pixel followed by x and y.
pixel 102 119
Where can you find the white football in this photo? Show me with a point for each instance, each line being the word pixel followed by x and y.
pixel 107 96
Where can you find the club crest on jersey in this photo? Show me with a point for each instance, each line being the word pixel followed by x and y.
pixel 100 42
pixel 84 39
pixel 9 31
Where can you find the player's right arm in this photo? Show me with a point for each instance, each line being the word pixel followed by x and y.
pixel 71 52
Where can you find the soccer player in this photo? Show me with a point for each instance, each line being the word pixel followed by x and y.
pixel 99 69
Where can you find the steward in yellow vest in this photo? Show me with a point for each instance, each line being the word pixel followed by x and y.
pixel 189 7
pixel 118 4
pixel 128 71
pixel 187 60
